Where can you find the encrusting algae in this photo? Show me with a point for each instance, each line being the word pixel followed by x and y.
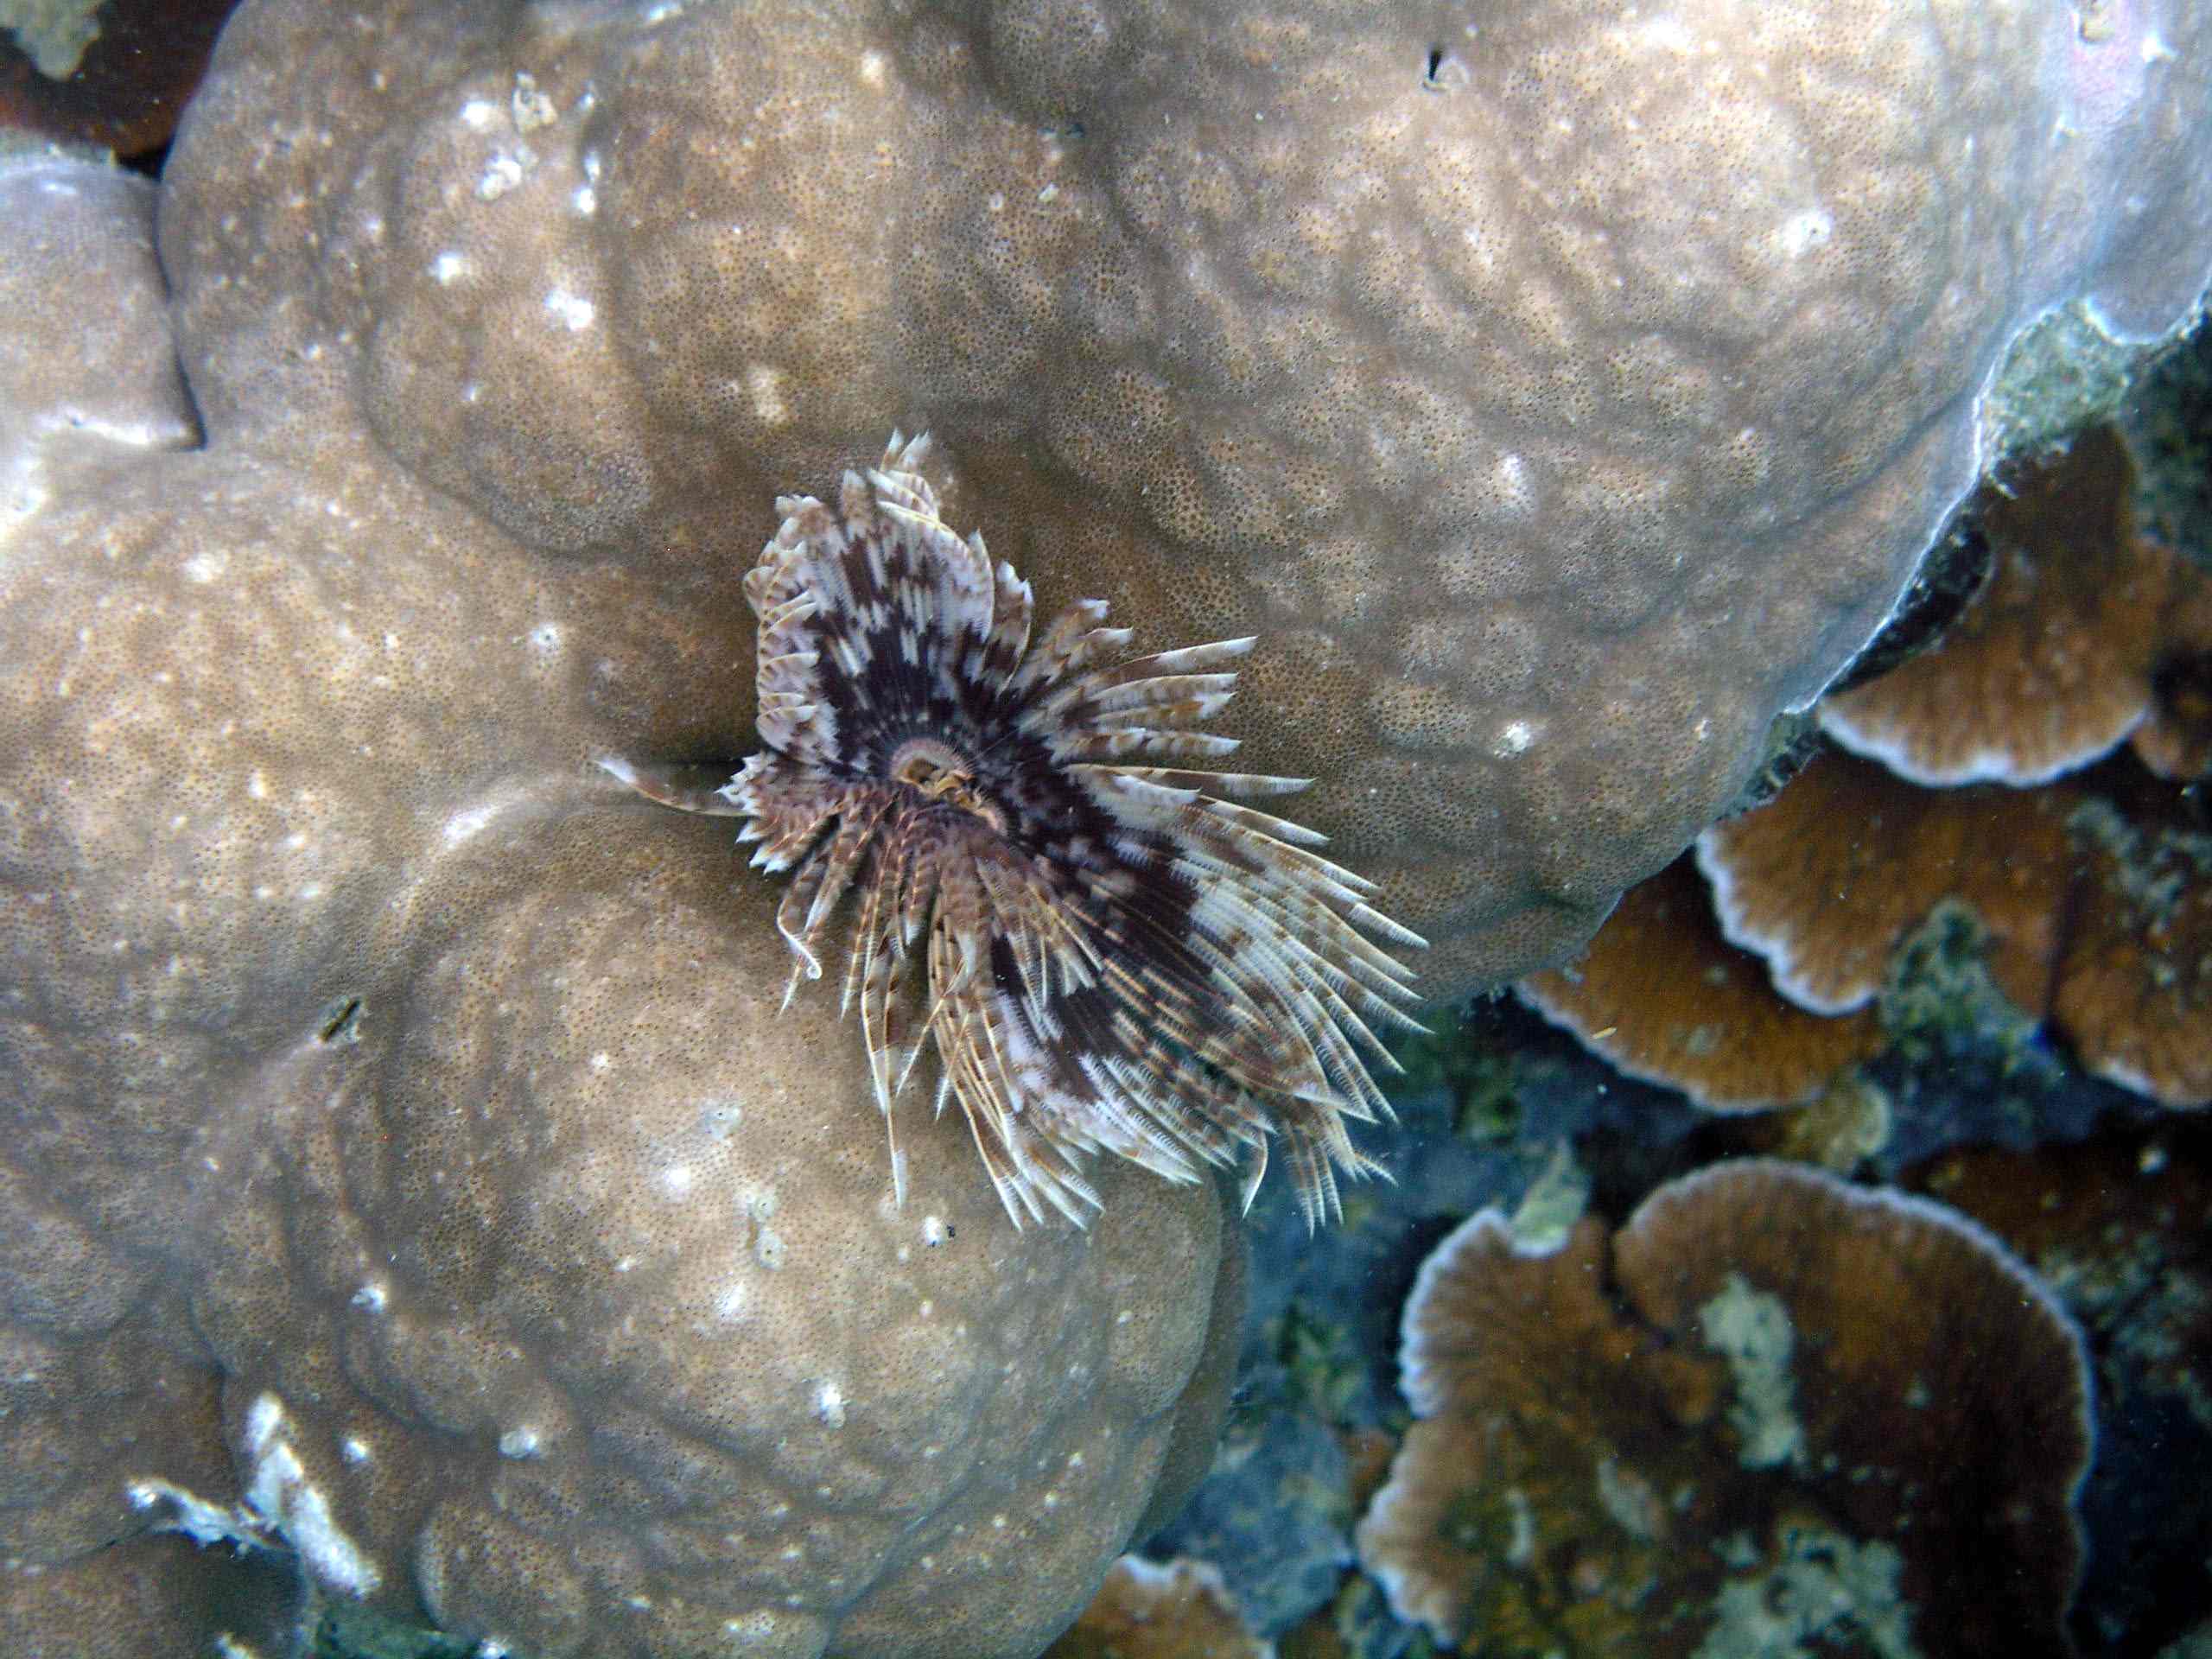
pixel 1106 954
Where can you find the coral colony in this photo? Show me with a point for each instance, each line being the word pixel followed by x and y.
pixel 1107 955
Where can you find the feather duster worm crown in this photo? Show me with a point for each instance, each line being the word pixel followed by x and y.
pixel 1103 953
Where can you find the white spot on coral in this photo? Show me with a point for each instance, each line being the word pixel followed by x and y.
pixel 720 1118
pixel 934 1231
pixel 371 1296
pixel 467 824
pixel 1509 478
pixel 677 1180
pixel 768 1248
pixel 256 786
pixel 584 200
pixel 830 1406
pixel 1514 738
pixel 872 64
pixel 572 309
pixel 545 639
pixel 479 115
pixel 601 1061
pixel 765 385
pixel 206 566
pixel 1666 34
pixel 1804 231
pixel 354 1449
pixel 530 108
pixel 519 1443
pixel 1048 193
pixel 502 171
pixel 730 1303
pixel 449 267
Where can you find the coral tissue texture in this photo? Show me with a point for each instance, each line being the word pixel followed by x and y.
pixel 404 1167
pixel 408 1179
pixel 1558 389
pixel 1771 1410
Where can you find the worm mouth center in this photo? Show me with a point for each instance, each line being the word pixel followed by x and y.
pixel 940 772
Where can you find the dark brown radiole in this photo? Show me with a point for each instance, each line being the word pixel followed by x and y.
pixel 1105 954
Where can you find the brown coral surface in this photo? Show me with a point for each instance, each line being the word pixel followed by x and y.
pixel 1147 1610
pixel 1661 994
pixel 2053 661
pixel 1557 395
pixel 1772 1407
pixel 410 1178
pixel 1556 402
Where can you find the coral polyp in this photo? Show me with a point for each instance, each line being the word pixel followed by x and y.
pixel 1036 876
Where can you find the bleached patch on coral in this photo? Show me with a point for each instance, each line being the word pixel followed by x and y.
pixel 468 824
pixel 279 1492
pixel 573 311
pixel 765 386
pixel 1804 231
pixel 281 1509
pixel 1751 1330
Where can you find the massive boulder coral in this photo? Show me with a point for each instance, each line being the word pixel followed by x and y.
pixel 405 1169
pixel 1558 389
pixel 409 1174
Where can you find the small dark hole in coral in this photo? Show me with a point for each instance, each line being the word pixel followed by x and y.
pixel 341 1021
pixel 1445 72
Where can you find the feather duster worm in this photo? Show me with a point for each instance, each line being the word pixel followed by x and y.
pixel 1104 953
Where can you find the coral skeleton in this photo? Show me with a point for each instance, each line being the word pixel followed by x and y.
pixel 1106 954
